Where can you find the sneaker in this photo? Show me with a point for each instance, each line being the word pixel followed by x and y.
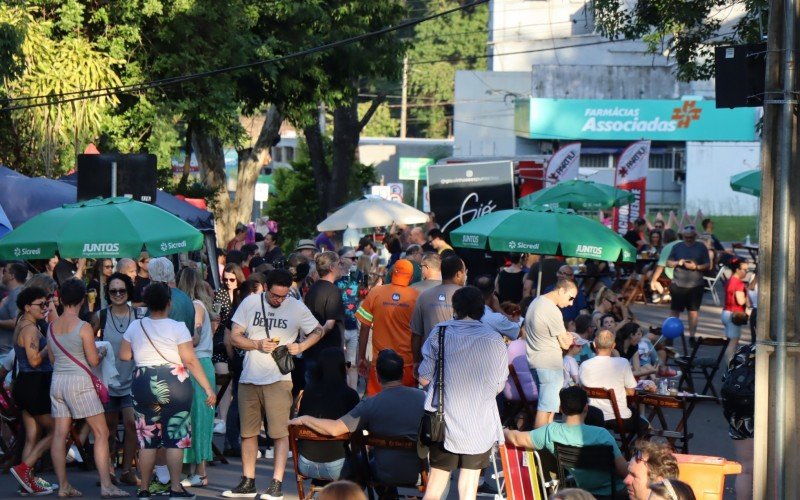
pixel 219 427
pixel 22 473
pixel 487 489
pixel 268 453
pixel 274 491
pixel 157 488
pixel 245 489
pixel 44 484
pixel 195 481
pixel 182 494
pixel 143 494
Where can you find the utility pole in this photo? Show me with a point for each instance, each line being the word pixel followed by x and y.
pixel 777 447
pixel 404 100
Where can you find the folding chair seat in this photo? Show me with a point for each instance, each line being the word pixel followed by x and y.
pixel 396 443
pixel 625 437
pixel 301 432
pixel 588 458
pixel 523 474
pixel 518 400
pixel 707 366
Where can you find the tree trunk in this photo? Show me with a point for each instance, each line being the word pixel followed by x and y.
pixel 187 162
pixel 319 164
pixel 211 157
pixel 250 161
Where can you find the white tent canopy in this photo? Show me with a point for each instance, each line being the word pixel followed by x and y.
pixel 372 211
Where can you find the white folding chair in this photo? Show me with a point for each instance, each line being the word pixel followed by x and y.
pixel 712 282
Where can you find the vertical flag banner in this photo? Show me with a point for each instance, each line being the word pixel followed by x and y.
pixel 631 174
pixel 563 165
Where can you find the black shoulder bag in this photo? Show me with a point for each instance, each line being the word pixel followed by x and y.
pixel 281 355
pixel 431 428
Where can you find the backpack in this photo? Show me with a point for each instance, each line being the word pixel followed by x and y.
pixel 739 383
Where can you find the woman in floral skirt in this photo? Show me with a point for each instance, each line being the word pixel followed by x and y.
pixel 162 391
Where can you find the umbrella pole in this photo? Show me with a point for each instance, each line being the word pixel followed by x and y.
pixel 539 279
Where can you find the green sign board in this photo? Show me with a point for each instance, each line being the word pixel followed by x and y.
pixel 415 169
pixel 632 120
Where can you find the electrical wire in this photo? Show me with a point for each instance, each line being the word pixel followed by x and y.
pixel 135 88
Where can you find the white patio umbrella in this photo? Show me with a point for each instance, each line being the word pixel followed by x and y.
pixel 372 211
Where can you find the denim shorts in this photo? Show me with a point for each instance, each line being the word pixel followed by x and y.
pixel 550 384
pixel 733 332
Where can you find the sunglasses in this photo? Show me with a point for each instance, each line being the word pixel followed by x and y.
pixel 108 266
pixel 230 280
pixel 351 257
pixel 41 304
pixel 117 291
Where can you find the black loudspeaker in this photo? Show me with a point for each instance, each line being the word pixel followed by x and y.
pixel 136 176
pixel 740 71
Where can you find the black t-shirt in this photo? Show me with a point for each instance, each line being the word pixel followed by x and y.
pixel 324 299
pixel 139 284
pixel 331 402
pixel 550 268
pixel 633 237
pixel 273 254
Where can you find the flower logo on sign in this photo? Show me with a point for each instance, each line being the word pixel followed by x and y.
pixel 686 114
pixel 164 247
pixel 17 252
pixel 512 245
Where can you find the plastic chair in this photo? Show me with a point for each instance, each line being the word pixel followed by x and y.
pixel 397 443
pixel 712 282
pixel 625 437
pixel 707 366
pixel 301 432
pixel 595 458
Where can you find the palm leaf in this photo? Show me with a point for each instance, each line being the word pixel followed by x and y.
pixel 160 390
pixel 178 425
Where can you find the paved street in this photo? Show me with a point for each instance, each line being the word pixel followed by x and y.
pixel 707 424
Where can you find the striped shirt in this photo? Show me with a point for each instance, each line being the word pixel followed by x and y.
pixel 475 371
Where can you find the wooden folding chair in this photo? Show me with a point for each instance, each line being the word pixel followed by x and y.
pixel 522 473
pixel 657 403
pixel 589 458
pixel 625 437
pixel 397 443
pixel 301 432
pixel 706 366
pixel 522 405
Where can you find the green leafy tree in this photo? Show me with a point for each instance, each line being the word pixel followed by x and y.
pixel 456 41
pixel 687 30
pixel 295 206
pixel 382 123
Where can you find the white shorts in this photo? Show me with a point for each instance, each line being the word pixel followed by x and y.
pixel 351 346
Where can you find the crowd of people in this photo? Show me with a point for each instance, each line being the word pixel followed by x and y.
pixel 376 337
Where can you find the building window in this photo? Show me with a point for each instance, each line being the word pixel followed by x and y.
pixel 594 160
pixel 288 154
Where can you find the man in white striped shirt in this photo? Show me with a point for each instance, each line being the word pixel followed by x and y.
pixel 475 371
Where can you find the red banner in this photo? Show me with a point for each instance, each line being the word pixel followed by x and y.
pixel 631 175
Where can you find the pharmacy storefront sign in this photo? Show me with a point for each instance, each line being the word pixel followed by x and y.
pixel 633 119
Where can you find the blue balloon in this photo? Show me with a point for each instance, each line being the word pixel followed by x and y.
pixel 672 328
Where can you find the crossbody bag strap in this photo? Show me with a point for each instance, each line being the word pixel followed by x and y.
pixel 141 323
pixel 70 356
pixel 440 373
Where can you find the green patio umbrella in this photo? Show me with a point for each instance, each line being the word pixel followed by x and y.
pixel 662 258
pixel 579 195
pixel 101 228
pixel 543 231
pixel 748 182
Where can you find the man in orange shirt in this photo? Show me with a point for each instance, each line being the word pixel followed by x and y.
pixel 387 310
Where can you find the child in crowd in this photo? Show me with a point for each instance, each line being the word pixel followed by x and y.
pixel 571 376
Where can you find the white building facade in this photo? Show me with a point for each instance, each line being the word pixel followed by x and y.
pixel 552 81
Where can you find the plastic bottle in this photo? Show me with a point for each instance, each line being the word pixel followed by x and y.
pixel 747 240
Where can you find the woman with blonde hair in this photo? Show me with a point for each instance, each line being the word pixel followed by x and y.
pixel 342 490
pixel 202 416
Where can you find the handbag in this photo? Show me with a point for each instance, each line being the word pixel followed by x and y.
pixel 432 426
pixel 281 355
pixel 99 386
pixel 739 318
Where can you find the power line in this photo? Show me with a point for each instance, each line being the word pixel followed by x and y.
pixel 133 88
pixel 486 56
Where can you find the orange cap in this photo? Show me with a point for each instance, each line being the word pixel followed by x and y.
pixel 402 272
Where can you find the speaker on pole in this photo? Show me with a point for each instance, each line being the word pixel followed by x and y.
pixel 136 176
pixel 740 71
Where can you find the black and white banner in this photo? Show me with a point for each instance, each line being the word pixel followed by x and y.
pixel 462 192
